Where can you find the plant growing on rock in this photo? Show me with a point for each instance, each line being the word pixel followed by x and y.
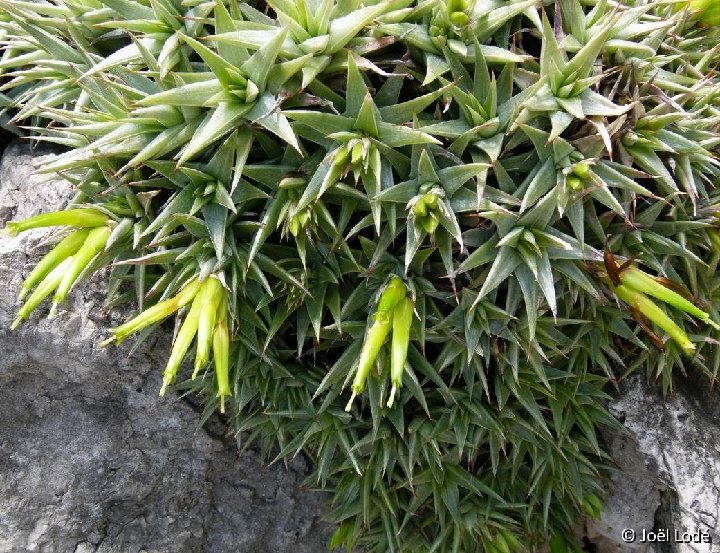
pixel 474 201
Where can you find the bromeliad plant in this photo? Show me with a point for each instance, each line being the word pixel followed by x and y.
pixel 475 215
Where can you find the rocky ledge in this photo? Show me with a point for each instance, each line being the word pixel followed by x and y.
pixel 664 493
pixel 92 461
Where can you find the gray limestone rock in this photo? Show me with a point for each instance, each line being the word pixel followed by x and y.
pixel 668 470
pixel 91 460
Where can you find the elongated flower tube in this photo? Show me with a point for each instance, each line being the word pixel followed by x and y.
pixel 221 354
pixel 64 249
pixel 211 294
pixel 154 314
pixel 647 308
pixel 394 292
pixel 373 342
pixel 70 218
pixel 182 343
pixel 94 244
pixel 401 323
pixel 44 289
pixel 632 277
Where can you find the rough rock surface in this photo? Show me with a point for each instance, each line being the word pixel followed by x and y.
pixel 90 459
pixel 668 476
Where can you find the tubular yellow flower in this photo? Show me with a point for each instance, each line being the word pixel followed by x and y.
pixel 714 236
pixel 373 342
pixel 294 226
pixel 211 294
pixel 457 5
pixel 510 539
pixel 632 277
pixel 94 244
pixel 154 314
pixel 67 247
pixel 708 11
pixel 394 292
pixel 182 343
pixel 45 288
pixel 459 18
pixel 401 323
pixel 221 354
pixel 70 217
pixel 645 305
pixel 357 153
pixel 500 544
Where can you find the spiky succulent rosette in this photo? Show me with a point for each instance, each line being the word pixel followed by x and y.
pixel 473 215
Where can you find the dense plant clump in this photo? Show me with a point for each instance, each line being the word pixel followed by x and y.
pixel 469 215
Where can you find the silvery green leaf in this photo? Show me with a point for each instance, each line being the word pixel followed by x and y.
pixel 128 54
pixel 193 94
pixel 543 181
pixel 343 29
pixel 253 36
pixel 436 66
pixel 215 217
pixel 595 104
pixel 452 178
pixel 503 266
pixel 217 123
pixel 488 22
pixel 449 221
pixel 266 112
pixel 260 63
